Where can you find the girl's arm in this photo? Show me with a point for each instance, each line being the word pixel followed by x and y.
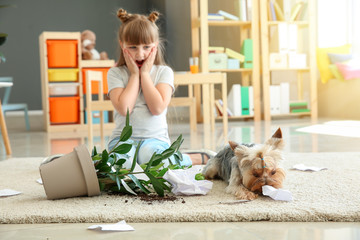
pixel 125 98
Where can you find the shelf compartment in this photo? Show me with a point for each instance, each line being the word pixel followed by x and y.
pixel 63 89
pixel 63 75
pixel 62 53
pixel 64 110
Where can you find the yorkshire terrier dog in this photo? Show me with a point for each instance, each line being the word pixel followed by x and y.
pixel 246 168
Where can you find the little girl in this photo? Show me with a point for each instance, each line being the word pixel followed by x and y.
pixel 142 83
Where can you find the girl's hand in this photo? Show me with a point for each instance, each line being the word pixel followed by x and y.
pixel 149 61
pixel 130 63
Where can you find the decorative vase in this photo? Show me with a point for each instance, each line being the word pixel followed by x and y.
pixel 70 175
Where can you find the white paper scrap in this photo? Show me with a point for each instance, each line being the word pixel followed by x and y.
pixel 121 226
pixel 184 183
pixel 39 180
pixel 277 194
pixel 302 167
pixel 8 192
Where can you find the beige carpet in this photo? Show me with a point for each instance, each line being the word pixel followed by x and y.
pixel 329 195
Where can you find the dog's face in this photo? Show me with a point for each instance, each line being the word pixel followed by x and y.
pixel 259 165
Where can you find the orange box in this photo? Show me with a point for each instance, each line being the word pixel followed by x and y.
pixel 62 53
pixel 64 109
pixel 95 85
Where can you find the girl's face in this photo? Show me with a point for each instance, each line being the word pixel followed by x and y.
pixel 138 53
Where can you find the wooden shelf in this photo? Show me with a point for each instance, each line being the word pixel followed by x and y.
pixel 306 44
pixel 248 29
pixel 230 23
pixel 232 70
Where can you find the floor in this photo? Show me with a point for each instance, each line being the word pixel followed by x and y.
pixel 37 143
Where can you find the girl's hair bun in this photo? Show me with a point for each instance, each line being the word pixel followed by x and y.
pixel 123 15
pixel 153 16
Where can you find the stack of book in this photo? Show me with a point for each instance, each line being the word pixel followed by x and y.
pixel 285 10
pixel 299 107
pixel 241 100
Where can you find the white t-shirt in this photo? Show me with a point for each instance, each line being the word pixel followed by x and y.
pixel 144 124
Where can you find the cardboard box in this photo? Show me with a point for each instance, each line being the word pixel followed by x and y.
pixel 278 60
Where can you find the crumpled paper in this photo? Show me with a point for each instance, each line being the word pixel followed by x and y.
pixel 277 194
pixel 121 226
pixel 184 183
pixel 302 167
pixel 8 192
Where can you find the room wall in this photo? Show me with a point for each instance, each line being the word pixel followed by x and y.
pixel 25 22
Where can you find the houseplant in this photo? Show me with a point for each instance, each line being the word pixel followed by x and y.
pixel 114 178
pixel 78 174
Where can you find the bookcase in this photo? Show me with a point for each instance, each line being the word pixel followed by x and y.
pixel 288 46
pixel 245 29
pixel 62 81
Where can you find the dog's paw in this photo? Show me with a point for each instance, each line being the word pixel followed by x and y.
pixel 246 195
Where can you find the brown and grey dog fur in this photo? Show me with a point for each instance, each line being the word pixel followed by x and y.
pixel 246 168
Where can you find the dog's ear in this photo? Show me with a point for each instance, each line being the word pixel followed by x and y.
pixel 241 150
pixel 276 141
pixel 233 145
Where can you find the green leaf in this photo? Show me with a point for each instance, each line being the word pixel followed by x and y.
pixel 167 153
pixel 126 133
pixel 127 187
pixel 105 168
pixel 162 172
pixel 199 177
pixel 150 162
pixel 102 186
pixel 156 184
pixel 104 156
pixel 123 148
pixel 135 156
pixel 94 151
pixel 138 183
pixel 120 162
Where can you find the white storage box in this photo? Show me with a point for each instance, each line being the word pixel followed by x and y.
pixel 278 60
pixel 217 61
pixel 297 60
pixel 63 89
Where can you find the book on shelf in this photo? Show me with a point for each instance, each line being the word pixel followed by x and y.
pixel 228 15
pixel 229 112
pixel 299 107
pixel 234 99
pixel 251 101
pixel 301 13
pixel 233 54
pixel 278 11
pixel 218 108
pixel 271 11
pixel 215 17
pixel 284 98
pixel 295 11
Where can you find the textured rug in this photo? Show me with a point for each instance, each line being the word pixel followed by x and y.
pixel 328 195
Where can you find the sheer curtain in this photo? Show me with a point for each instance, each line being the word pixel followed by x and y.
pixel 339 23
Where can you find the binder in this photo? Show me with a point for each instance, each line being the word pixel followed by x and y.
pixel 283 37
pixel 284 98
pixel 234 100
pixel 245 101
pixel 275 99
pixel 292 37
pixel 251 101
pixel 247 51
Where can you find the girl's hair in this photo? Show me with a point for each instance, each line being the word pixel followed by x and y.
pixel 140 29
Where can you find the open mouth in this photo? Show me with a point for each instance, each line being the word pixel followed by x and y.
pixel 139 63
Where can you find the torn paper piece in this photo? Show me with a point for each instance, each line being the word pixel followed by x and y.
pixel 302 167
pixel 184 183
pixel 8 192
pixel 277 194
pixel 121 226
pixel 39 180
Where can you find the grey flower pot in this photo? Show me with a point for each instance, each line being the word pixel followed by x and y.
pixel 70 175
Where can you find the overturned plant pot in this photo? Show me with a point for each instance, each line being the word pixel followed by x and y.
pixel 70 175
